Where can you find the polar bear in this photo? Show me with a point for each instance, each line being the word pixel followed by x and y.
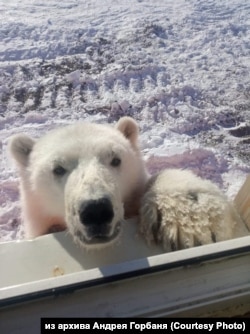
pixel 87 178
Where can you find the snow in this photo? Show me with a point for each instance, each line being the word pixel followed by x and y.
pixel 180 68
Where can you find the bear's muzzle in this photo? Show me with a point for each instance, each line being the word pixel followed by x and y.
pixel 96 216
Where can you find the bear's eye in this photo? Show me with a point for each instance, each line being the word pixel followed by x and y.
pixel 115 162
pixel 59 171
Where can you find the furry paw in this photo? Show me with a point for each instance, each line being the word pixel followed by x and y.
pixel 180 210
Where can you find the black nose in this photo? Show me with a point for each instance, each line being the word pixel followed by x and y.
pixel 96 212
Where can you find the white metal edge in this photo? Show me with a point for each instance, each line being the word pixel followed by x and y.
pixel 125 267
pixel 196 290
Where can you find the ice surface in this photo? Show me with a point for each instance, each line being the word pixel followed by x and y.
pixel 180 68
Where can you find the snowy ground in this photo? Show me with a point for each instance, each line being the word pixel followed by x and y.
pixel 181 68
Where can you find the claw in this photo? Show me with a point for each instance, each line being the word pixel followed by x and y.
pixel 213 236
pixel 156 227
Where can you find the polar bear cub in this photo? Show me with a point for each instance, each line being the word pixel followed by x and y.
pixel 88 177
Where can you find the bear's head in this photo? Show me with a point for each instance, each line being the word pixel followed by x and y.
pixel 85 177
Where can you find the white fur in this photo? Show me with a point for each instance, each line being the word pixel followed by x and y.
pixel 85 150
pixel 178 209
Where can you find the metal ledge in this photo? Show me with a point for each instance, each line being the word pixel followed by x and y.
pixel 210 280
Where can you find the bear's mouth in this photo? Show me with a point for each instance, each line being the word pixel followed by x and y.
pixel 98 238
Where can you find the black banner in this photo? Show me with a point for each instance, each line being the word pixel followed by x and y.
pixel 74 325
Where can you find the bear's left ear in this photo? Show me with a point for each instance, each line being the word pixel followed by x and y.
pixel 20 147
pixel 129 128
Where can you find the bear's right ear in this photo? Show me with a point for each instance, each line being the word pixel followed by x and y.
pixel 129 128
pixel 20 147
